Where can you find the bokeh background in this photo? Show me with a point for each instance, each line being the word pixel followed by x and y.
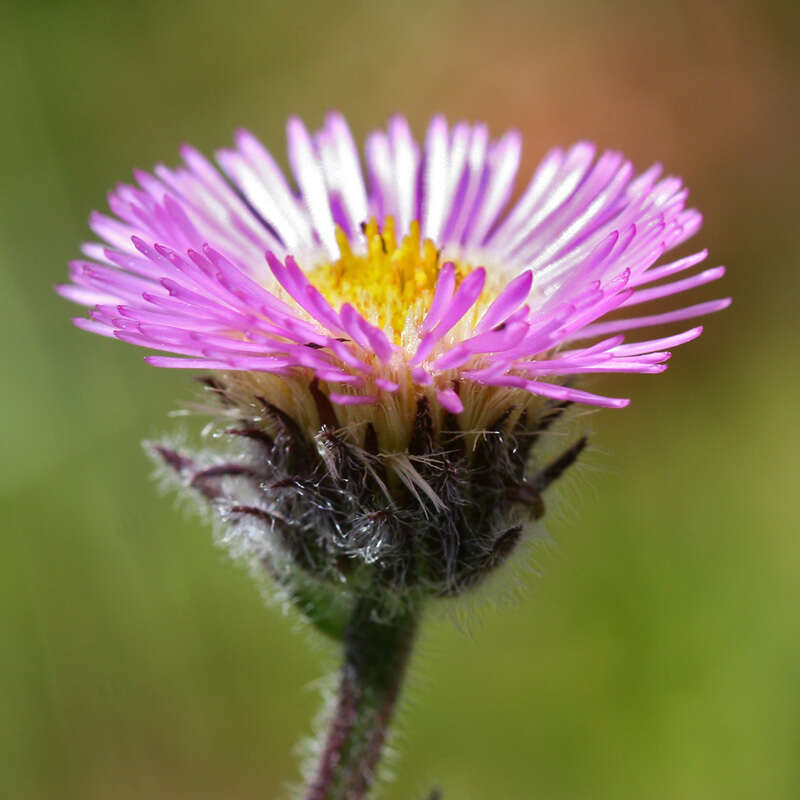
pixel 656 655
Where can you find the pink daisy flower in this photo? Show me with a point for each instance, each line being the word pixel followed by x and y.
pixel 391 346
pixel 416 278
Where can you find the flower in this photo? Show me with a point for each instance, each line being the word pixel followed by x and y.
pixel 391 343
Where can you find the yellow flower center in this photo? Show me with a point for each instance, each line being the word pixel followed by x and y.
pixel 392 284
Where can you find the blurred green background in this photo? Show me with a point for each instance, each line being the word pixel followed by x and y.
pixel 656 656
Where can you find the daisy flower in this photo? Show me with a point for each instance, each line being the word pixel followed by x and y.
pixel 386 342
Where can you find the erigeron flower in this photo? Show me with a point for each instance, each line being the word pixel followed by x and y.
pixel 385 355
pixel 390 346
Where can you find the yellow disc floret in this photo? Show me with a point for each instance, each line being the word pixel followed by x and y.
pixel 390 283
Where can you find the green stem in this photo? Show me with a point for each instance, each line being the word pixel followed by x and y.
pixel 375 658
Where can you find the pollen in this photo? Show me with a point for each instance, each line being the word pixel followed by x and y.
pixel 391 283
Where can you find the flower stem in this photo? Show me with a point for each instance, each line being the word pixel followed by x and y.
pixel 375 657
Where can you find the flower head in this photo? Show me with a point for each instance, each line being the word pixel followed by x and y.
pixel 373 335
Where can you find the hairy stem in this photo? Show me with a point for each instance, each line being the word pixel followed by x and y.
pixel 375 657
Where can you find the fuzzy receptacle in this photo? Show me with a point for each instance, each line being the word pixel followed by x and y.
pixel 330 508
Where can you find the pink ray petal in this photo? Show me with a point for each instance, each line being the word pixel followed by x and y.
pixel 450 401
pixel 690 312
